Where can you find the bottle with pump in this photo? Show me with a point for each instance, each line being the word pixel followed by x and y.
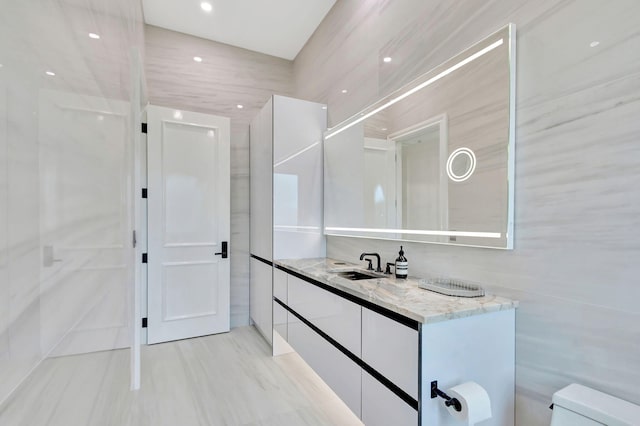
pixel 402 265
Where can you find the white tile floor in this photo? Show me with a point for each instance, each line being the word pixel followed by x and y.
pixel 226 379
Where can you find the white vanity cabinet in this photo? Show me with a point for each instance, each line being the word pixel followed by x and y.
pixel 285 154
pixel 260 290
pixel 390 347
pixel 478 348
pixel 261 220
pixel 381 363
pixel 334 315
pixel 333 366
pixel 280 314
pixel 381 407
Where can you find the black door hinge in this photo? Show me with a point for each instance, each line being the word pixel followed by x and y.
pixel 143 127
pixel 144 323
pixel 144 192
pixel 144 257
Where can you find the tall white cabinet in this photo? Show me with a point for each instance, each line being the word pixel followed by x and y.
pixel 286 195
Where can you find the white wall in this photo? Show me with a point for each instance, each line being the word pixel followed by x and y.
pixel 43 313
pixel 575 265
pixel 226 77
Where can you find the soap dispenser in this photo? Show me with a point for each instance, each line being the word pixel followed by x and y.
pixel 402 265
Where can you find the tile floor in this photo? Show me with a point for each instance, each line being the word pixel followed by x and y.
pixel 226 379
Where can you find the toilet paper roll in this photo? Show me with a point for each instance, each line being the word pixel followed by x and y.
pixel 475 402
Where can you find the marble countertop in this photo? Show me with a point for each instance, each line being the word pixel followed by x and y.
pixel 401 296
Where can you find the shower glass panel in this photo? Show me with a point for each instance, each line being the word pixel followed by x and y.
pixel 83 223
pixel 66 192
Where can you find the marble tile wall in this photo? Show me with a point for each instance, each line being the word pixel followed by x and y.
pixel 575 267
pixel 226 77
pixel 39 36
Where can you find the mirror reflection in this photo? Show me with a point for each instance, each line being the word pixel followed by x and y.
pixel 432 162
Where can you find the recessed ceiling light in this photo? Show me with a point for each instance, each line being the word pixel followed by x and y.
pixel 344 90
pixel 94 36
pixel 324 107
pixel 197 58
pixel 51 73
pixel 240 106
pixel 594 43
pixel 206 6
pixel 387 59
pixel 177 115
pixel 383 129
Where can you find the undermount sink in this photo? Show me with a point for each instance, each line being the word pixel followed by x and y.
pixel 358 274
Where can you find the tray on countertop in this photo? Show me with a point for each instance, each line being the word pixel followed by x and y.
pixel 451 287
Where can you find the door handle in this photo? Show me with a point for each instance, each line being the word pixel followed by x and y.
pixel 223 253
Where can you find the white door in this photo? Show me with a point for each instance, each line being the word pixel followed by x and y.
pixel 188 202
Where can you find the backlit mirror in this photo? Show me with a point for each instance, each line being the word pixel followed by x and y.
pixel 434 161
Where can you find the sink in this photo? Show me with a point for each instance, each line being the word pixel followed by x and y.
pixel 358 274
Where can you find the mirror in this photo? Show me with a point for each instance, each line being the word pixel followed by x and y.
pixel 434 161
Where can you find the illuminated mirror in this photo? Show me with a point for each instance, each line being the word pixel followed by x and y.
pixel 433 161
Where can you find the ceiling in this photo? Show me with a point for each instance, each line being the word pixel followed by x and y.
pixel 275 27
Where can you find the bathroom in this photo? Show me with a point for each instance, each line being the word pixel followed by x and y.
pixel 573 268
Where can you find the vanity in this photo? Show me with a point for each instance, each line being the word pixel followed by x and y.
pixel 432 162
pixel 380 342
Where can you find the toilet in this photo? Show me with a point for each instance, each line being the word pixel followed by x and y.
pixel 578 405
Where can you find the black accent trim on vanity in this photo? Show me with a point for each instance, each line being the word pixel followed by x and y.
pixel 263 260
pixel 369 305
pixel 366 367
pixel 420 375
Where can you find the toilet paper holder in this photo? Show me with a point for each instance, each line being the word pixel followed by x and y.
pixel 435 392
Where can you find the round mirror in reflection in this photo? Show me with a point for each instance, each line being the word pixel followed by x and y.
pixel 461 164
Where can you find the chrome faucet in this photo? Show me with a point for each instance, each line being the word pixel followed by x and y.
pixel 370 267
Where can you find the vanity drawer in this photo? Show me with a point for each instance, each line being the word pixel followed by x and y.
pixel 392 349
pixel 339 372
pixel 280 320
pixel 334 315
pixel 280 284
pixel 381 407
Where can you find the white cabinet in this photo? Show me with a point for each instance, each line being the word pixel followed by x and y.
pixel 335 368
pixel 261 219
pixel 391 348
pixel 298 128
pixel 280 284
pixel 260 304
pixel 280 315
pixel 382 364
pixel 480 348
pixel 333 314
pixel 260 182
pixel 381 407
pixel 286 194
